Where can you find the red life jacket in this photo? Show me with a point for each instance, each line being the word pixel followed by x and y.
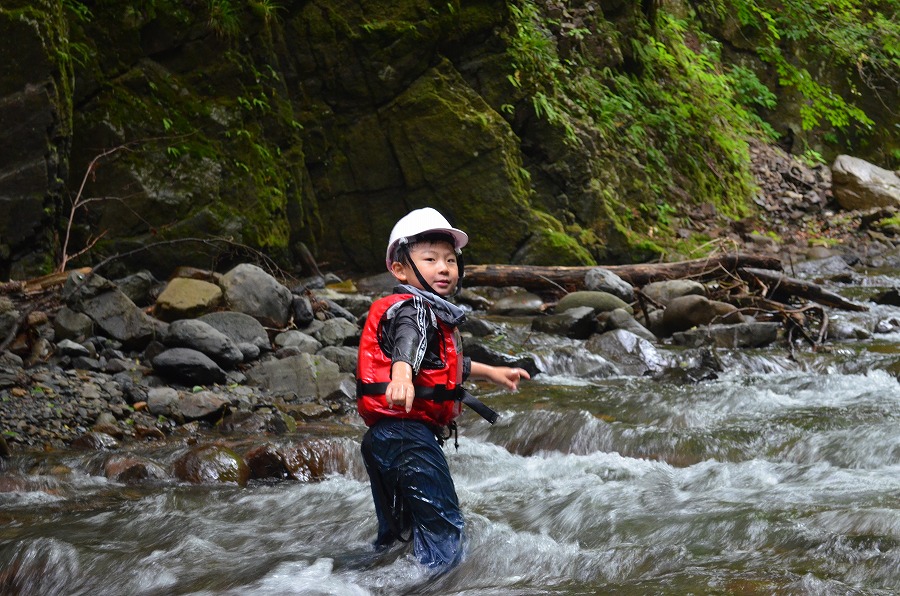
pixel 438 392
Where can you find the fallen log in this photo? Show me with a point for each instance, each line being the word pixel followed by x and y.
pixel 534 277
pixel 777 284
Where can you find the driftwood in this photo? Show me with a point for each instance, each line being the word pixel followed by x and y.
pixel 774 284
pixel 39 284
pixel 541 278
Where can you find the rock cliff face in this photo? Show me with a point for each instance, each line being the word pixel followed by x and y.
pixel 35 133
pixel 307 124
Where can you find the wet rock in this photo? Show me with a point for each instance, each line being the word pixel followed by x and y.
pixel 622 319
pixel 890 297
pixel 267 462
pixel 256 423
pixel 693 310
pixel 578 362
pixel 130 469
pixel 94 441
pixel 742 335
pixel 211 463
pixel 188 367
pixel 839 329
pixel 307 411
pixel 185 298
pixel 691 366
pixel 631 354
pixel 312 460
pixel 481 353
pixel 887 326
pixel 576 323
pixel 473 299
pixel 822 268
pixel 252 291
pixel 203 337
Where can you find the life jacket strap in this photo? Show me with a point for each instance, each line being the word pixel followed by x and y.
pixel 437 393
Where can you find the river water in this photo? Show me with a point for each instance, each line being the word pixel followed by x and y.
pixel 781 476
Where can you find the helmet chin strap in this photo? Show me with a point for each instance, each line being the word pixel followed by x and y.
pixel 404 256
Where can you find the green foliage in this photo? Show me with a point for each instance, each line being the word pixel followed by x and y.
pixel 863 37
pixel 227 17
pixel 224 17
pixel 682 117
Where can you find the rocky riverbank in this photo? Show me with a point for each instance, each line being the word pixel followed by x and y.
pixel 91 363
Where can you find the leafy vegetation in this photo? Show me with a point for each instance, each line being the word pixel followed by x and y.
pixel 675 113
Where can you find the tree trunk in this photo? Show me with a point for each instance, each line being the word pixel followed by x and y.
pixel 541 278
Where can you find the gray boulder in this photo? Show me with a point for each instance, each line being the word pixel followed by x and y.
pixel 604 280
pixel 518 304
pixel 839 329
pixel 203 337
pixel 68 324
pixel 111 310
pixel 303 376
pixel 663 292
pixel 250 290
pixel 293 338
pixel 598 301
pixel 338 332
pixel 139 286
pixel 239 327
pixel 622 319
pixel 693 310
pixel 345 357
pixel 189 367
pixel 858 184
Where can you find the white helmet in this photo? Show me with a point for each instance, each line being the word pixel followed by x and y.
pixel 421 221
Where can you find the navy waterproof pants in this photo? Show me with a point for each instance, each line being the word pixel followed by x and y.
pixel 413 491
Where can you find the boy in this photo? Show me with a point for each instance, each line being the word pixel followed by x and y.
pixel 409 389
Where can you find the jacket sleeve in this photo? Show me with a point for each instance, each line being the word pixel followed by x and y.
pixel 409 327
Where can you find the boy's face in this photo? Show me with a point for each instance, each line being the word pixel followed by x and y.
pixel 436 261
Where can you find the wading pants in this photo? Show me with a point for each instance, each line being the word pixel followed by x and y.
pixel 413 491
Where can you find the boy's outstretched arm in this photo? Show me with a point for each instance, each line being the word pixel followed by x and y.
pixel 504 376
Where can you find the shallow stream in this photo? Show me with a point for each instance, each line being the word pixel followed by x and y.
pixel 781 476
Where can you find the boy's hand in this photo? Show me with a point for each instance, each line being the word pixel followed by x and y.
pixel 509 377
pixel 400 391
pixel 504 376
